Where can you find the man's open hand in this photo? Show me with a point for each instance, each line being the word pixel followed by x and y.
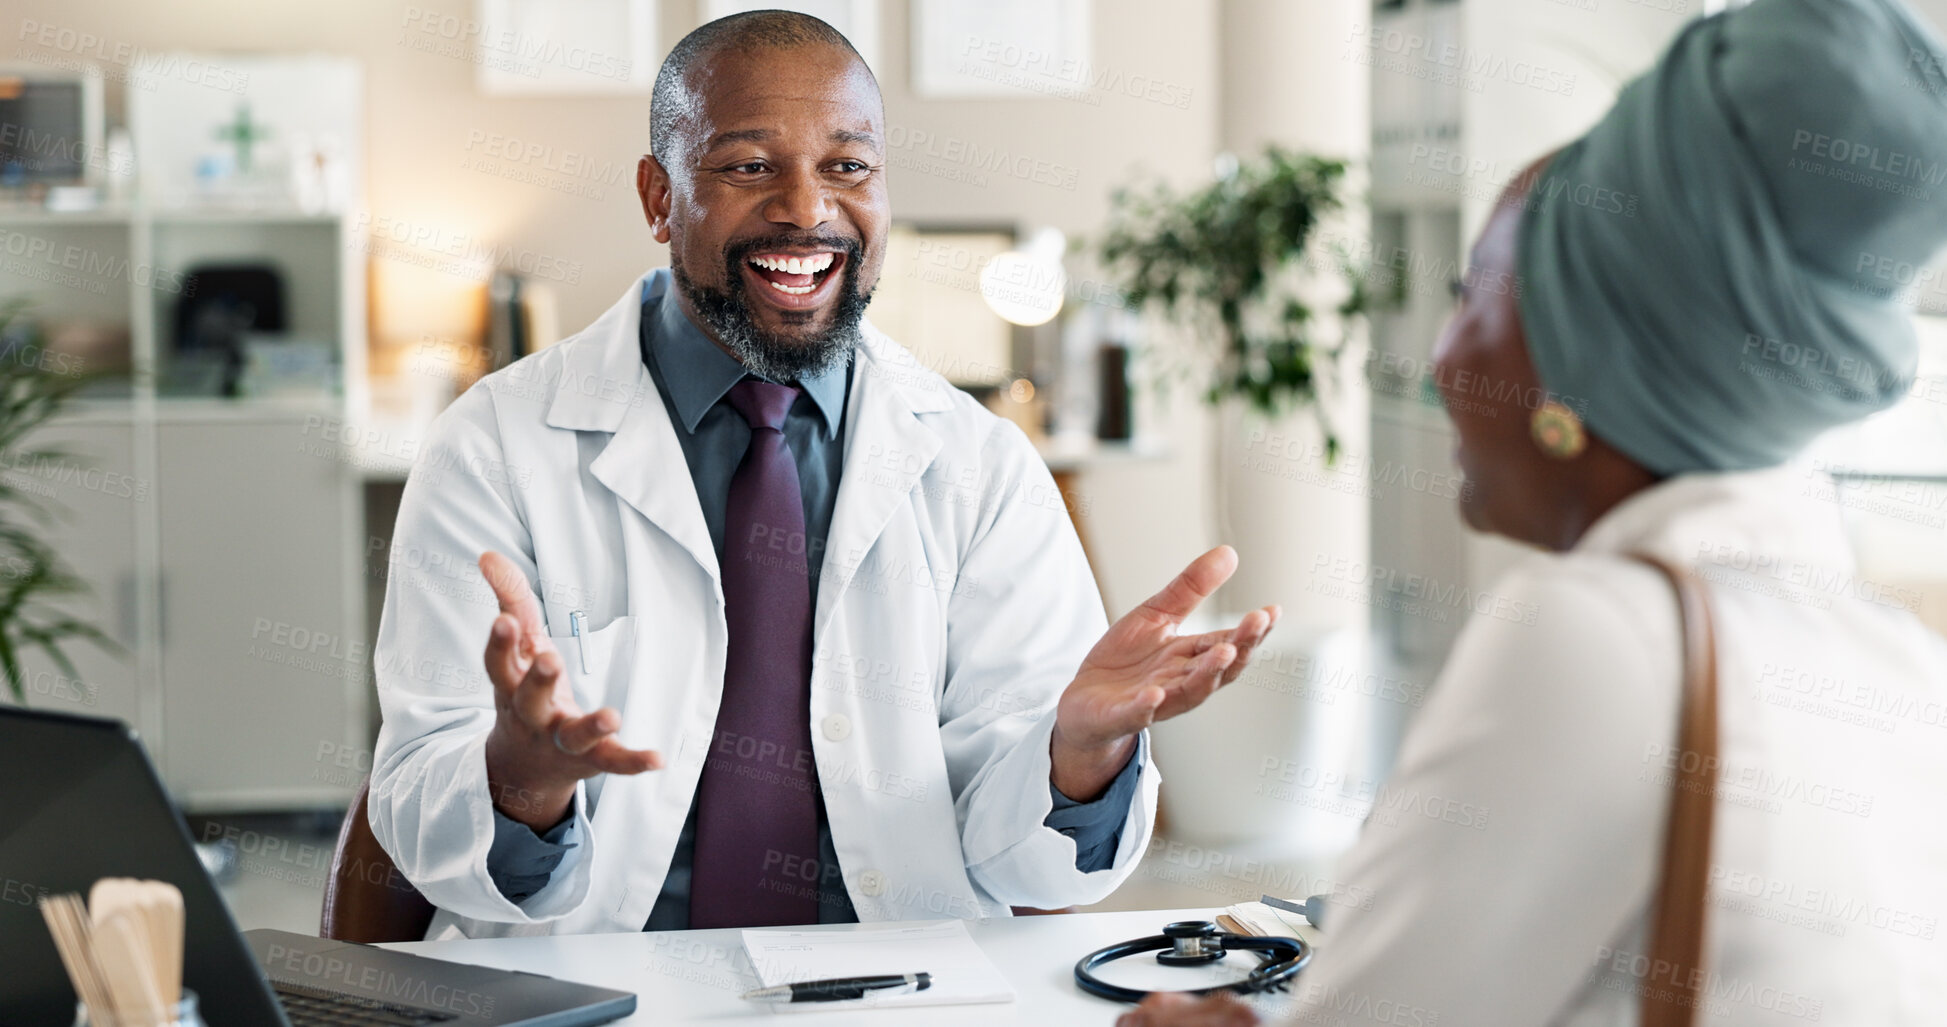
pixel 1142 671
pixel 541 743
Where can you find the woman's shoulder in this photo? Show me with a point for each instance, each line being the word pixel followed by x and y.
pixel 1589 631
pixel 1606 594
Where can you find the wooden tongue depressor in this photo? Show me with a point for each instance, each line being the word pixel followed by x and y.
pixel 111 895
pixel 157 909
pixel 67 920
pixel 122 946
pixel 166 925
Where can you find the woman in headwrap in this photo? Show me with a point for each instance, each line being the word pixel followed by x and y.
pixel 1699 286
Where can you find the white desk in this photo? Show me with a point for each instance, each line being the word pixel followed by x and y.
pixel 683 977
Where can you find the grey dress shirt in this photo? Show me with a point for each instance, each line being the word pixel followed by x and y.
pixel 693 376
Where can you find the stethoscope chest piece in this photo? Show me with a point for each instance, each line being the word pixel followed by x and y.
pixel 1196 942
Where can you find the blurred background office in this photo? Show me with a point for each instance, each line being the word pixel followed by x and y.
pixel 255 248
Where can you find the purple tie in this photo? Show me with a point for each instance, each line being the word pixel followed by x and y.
pixel 757 815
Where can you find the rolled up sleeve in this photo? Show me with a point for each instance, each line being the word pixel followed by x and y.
pixel 521 861
pixel 1096 826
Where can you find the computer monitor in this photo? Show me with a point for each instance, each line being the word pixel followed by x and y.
pixel 50 126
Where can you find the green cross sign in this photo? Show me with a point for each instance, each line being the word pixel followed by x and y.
pixel 245 133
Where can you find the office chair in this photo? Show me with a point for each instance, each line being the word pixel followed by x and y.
pixel 368 900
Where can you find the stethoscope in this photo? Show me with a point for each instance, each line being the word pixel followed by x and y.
pixel 1194 943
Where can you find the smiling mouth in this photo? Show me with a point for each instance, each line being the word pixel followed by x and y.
pixel 795 274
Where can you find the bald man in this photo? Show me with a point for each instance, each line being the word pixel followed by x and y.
pixel 781 627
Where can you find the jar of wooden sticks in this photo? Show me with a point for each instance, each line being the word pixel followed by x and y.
pixel 184 1015
pixel 123 951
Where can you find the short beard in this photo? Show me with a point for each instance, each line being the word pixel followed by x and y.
pixel 780 358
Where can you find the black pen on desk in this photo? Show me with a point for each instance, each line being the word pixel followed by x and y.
pixel 839 988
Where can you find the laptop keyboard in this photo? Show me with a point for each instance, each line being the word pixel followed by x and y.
pixel 315 1007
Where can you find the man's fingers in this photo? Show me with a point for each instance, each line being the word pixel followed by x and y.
pixel 1205 675
pixel 1180 597
pixel 1210 668
pixel 592 738
pixel 505 667
pixel 1251 631
pixel 534 699
pixel 612 757
pixel 577 735
pixel 1200 644
pixel 516 598
pixel 1135 711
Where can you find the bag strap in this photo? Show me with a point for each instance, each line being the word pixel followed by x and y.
pixel 1676 939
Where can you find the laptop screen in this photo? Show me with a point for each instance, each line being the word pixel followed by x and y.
pixel 79 802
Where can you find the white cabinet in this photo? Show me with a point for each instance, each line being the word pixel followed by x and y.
pixel 220 538
pixel 219 549
pixel 97 497
pixel 264 664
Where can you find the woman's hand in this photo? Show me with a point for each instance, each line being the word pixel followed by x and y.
pixel 1219 1010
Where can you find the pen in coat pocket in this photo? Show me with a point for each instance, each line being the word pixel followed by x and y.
pixel 576 620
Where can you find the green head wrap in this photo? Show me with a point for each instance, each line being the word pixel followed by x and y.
pixel 1712 272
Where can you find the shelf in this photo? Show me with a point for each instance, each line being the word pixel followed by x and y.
pixel 24 215
pixel 220 216
pixel 123 215
pixel 1070 454
pixel 97 411
pixel 184 409
pixel 179 409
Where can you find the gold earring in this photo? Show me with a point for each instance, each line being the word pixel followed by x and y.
pixel 1558 431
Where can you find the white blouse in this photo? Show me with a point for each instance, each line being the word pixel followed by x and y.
pixel 1509 882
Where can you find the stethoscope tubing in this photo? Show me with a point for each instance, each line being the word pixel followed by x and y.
pixel 1282 959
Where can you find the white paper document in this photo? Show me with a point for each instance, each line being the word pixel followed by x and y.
pixel 962 974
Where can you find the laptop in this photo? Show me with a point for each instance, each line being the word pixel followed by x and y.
pixel 79 801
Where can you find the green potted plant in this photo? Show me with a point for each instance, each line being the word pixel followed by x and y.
pixel 1241 262
pixel 1261 266
pixel 33 576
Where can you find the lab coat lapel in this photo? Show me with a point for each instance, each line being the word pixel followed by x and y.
pixel 605 387
pixel 887 450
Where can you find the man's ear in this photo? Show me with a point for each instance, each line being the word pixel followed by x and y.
pixel 652 184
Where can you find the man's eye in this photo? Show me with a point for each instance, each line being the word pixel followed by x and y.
pixel 751 167
pixel 852 167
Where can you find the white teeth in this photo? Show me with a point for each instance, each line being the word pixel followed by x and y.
pixel 795 290
pixel 795 265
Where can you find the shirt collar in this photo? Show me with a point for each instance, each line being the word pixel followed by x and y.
pixel 698 374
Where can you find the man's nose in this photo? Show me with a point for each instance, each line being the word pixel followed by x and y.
pixel 801 199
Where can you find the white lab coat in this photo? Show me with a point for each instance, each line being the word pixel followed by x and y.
pixel 954 606
pixel 1505 875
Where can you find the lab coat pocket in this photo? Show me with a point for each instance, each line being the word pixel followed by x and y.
pixel 598 662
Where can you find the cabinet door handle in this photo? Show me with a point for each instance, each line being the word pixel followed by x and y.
pixel 125 605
